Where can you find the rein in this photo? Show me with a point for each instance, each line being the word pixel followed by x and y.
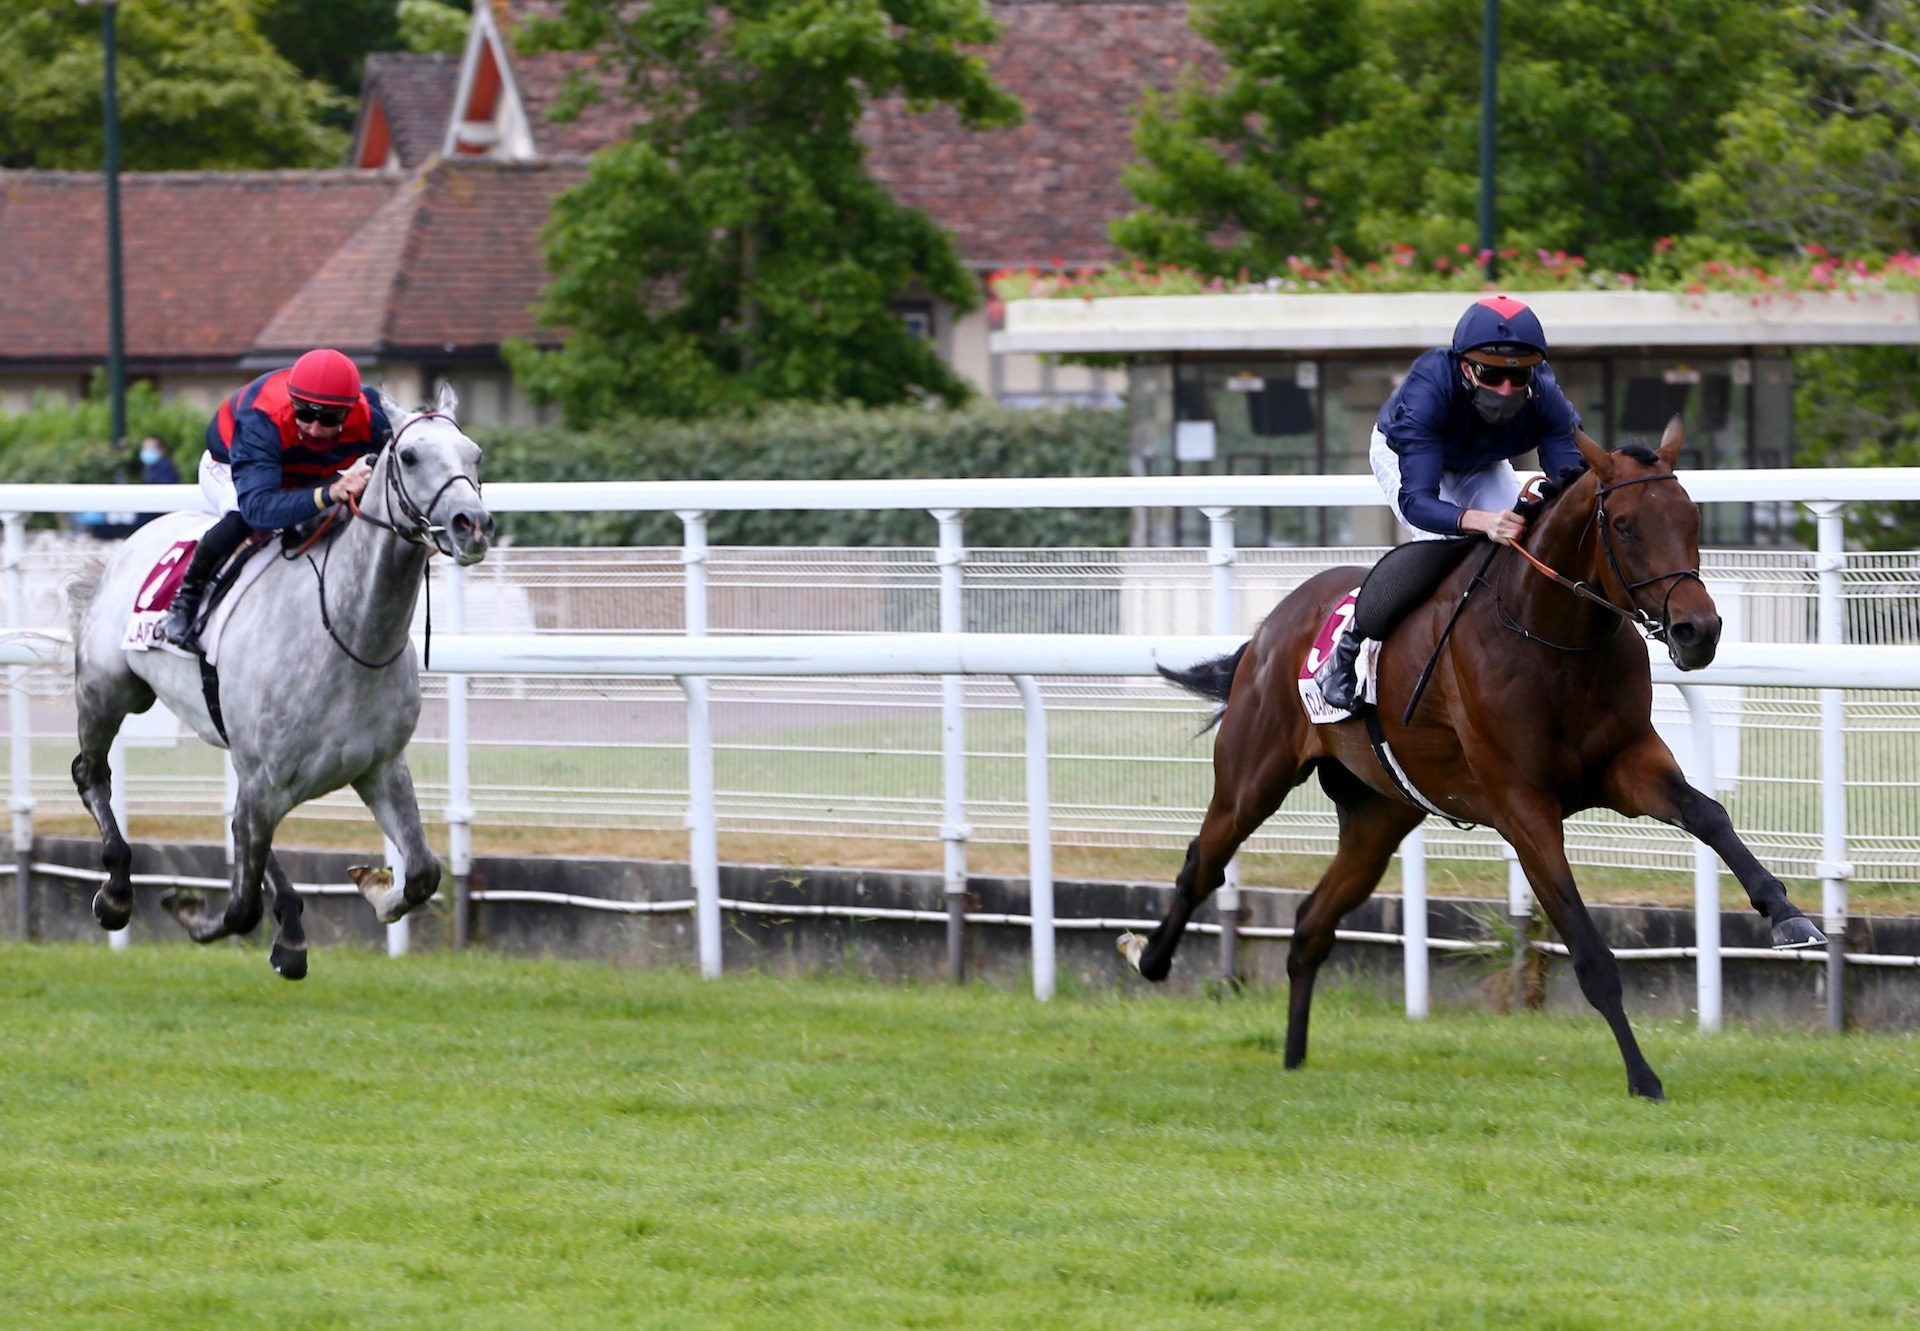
pixel 1654 626
pixel 423 532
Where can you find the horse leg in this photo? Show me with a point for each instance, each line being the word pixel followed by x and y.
pixel 290 938
pixel 1249 782
pixel 1646 782
pixel 1534 830
pixel 388 792
pixel 254 821
pixel 103 706
pixel 1371 829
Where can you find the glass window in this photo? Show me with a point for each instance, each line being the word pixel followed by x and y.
pixel 1356 390
pixel 1710 394
pixel 1248 418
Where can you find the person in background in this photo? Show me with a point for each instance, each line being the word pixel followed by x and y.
pixel 156 462
pixel 156 468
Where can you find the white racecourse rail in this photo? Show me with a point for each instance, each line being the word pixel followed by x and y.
pixel 1825 492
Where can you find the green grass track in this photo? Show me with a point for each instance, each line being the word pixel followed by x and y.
pixel 470 1141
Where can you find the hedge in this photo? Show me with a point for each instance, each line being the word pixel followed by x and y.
pixel 60 441
pixel 818 443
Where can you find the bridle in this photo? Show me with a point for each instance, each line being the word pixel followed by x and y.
pixel 422 531
pixel 1654 626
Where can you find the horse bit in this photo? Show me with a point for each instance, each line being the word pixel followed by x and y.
pixel 1655 627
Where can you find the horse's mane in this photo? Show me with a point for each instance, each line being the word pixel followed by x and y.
pixel 1553 489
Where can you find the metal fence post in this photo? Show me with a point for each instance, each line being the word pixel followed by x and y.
pixel 20 717
pixel 1222 552
pixel 1413 925
pixel 459 788
pixel 1830 561
pixel 1706 867
pixel 400 932
pixel 951 558
pixel 1520 917
pixel 1039 838
pixel 703 828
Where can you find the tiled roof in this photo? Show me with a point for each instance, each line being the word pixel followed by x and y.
pixel 208 256
pixel 452 263
pixel 345 303
pixel 1045 189
pixel 474 271
pixel 1048 187
pixel 416 92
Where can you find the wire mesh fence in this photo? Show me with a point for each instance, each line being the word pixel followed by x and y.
pixel 861 758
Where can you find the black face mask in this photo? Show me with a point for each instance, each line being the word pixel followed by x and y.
pixel 1497 410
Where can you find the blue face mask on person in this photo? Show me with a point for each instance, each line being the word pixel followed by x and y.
pixel 150 455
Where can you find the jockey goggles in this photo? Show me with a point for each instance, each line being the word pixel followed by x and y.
pixel 1492 376
pixel 312 413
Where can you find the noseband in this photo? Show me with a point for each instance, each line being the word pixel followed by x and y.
pixel 1654 626
pixel 421 529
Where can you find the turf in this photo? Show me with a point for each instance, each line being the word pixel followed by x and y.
pixel 473 1141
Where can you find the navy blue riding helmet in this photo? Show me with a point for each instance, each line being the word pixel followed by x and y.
pixel 1500 326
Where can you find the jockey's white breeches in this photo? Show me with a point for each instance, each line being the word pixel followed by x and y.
pixel 216 483
pixel 1489 489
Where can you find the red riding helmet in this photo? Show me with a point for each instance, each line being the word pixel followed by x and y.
pixel 325 376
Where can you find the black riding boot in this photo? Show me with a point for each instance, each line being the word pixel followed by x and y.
pixel 1338 677
pixel 216 543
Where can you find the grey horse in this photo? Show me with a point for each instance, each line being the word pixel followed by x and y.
pixel 318 685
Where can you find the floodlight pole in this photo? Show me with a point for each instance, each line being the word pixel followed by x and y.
pixel 1489 63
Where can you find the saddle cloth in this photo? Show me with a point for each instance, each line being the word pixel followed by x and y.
pixel 163 581
pixel 1337 626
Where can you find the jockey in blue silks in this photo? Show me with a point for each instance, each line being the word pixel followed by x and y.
pixel 1443 444
pixel 279 451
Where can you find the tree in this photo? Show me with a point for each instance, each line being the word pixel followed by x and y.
pixel 1607 109
pixel 1824 155
pixel 1825 148
pixel 199 88
pixel 329 40
pixel 1228 178
pixel 734 249
pixel 431 26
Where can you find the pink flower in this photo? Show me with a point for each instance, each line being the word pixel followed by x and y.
pixel 1662 245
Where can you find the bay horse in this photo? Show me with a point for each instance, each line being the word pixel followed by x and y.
pixel 317 685
pixel 1539 706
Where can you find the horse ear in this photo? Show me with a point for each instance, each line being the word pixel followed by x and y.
pixel 1670 443
pixel 391 406
pixel 447 402
pixel 1598 459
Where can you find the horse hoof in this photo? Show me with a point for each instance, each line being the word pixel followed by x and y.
pixel 111 917
pixel 1797 932
pixel 1652 1092
pixel 1131 946
pixel 290 962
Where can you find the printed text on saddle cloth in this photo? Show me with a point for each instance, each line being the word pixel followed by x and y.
pixel 1337 625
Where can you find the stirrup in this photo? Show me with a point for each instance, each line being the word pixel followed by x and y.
pixel 177 629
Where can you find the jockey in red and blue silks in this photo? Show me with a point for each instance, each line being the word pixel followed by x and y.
pixel 279 451
pixel 1443 445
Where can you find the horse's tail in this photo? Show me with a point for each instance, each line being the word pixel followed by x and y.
pixel 1210 679
pixel 82 587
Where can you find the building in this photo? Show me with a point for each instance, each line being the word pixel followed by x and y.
pixel 423 256
pixel 1279 383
